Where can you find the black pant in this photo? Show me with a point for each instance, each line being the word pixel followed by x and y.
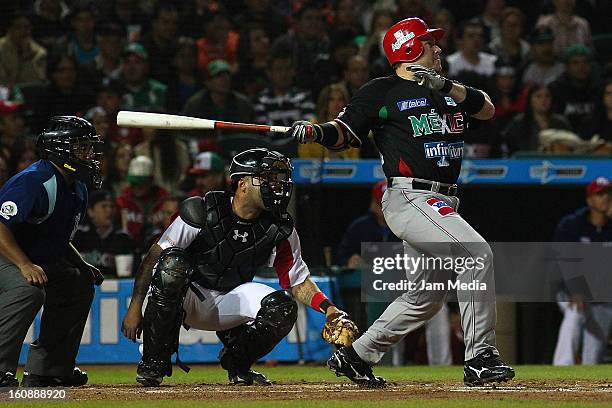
pixel 66 299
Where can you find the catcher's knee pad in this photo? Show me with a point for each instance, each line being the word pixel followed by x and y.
pixel 279 311
pixel 164 313
pixel 171 276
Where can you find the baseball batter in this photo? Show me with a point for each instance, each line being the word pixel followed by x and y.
pixel 418 119
pixel 206 260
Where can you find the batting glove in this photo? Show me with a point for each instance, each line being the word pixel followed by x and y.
pixel 429 78
pixel 303 132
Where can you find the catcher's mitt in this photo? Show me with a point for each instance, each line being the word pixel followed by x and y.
pixel 339 330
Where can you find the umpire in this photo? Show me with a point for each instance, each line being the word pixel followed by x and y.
pixel 40 209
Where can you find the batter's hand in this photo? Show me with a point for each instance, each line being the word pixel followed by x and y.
pixel 132 324
pixel 33 273
pixel 429 78
pixel 303 132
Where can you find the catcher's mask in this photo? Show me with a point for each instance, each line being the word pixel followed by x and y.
pixel 270 171
pixel 73 144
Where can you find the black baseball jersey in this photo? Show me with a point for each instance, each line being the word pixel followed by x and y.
pixel 419 132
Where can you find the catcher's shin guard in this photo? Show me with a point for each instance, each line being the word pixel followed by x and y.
pixel 163 316
pixel 247 343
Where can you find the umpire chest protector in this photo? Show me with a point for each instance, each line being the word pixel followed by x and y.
pixel 228 250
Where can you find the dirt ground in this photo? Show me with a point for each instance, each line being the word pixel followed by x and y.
pixel 533 390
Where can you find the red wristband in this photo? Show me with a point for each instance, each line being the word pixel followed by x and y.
pixel 316 301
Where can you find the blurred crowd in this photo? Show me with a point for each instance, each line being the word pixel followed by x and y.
pixel 546 64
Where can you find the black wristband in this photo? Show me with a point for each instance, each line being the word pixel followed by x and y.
pixel 473 102
pixel 326 304
pixel 448 85
pixel 327 134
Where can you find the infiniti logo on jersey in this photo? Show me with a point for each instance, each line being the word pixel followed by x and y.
pixel 444 151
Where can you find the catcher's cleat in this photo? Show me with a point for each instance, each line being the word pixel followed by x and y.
pixel 346 362
pixel 151 373
pixel 249 377
pixel 8 379
pixel 486 367
pixel 76 379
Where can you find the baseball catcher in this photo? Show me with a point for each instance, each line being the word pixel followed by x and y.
pixel 201 269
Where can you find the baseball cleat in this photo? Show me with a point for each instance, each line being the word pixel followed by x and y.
pixel 346 362
pixel 8 379
pixel 249 377
pixel 151 373
pixel 76 379
pixel 486 367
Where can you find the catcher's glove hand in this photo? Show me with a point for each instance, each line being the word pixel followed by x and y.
pixel 339 330
pixel 431 79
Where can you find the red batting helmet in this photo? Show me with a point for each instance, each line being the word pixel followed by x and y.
pixel 402 43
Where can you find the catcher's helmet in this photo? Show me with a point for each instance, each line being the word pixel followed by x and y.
pixel 73 144
pixel 402 41
pixel 271 171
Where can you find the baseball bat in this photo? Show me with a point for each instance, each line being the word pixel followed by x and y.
pixel 165 121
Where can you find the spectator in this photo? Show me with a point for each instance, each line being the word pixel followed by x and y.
pixel 81 40
pixel 219 40
pixel 599 123
pixel 109 98
pixel 208 172
pixel 413 8
pixel 11 93
pixel 22 157
pixel 186 79
pixel 332 99
pixel 330 67
pixel 167 213
pixel 509 47
pixel 143 93
pixel 544 68
pixel 64 95
pixel 4 170
pixel 99 241
pixel 568 29
pixel 23 59
pixel 356 74
pixel 253 52
pixel 193 13
pixel 382 19
pixel 510 96
pixel 170 158
pixel 139 204
pixel 492 19
pixel 264 14
pixel 111 39
pixel 161 41
pixel 218 100
pixel 117 168
pixel 585 324
pixel 47 26
pixel 282 103
pixel 523 131
pixel 127 13
pixel 470 56
pixel 575 92
pixel 305 42
pixel 13 131
pixel 445 20
pixel 346 16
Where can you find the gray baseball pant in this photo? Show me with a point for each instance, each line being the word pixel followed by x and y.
pixel 425 231
pixel 66 299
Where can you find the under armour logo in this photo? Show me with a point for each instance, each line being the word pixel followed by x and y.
pixel 243 236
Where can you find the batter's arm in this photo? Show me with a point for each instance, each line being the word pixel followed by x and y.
pixel 459 93
pixel 309 294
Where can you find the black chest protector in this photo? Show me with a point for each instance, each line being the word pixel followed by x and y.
pixel 228 250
